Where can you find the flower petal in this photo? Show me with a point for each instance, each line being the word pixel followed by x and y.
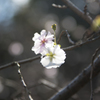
pixel 45 61
pixel 36 36
pixel 58 60
pixel 43 32
pixel 50 37
pixel 52 65
pixel 48 64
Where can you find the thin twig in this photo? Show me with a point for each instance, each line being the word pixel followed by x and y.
pixel 80 43
pixel 47 84
pixel 23 82
pixel 68 36
pixel 78 11
pixel 20 62
pixel 92 67
pixel 13 84
pixel 77 83
pixel 9 83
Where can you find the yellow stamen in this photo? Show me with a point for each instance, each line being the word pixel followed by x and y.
pixel 50 54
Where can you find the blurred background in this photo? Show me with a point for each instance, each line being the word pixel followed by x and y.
pixel 19 20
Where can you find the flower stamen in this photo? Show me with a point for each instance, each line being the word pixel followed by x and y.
pixel 50 54
pixel 43 41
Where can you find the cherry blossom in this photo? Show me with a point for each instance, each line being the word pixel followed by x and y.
pixel 41 40
pixel 54 57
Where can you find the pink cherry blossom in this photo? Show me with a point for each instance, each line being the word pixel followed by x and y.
pixel 41 40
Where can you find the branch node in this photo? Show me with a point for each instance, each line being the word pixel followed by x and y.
pixel 85 10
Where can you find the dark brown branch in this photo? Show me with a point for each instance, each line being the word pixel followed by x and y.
pixel 78 11
pixel 80 43
pixel 78 82
pixel 20 62
pixel 92 68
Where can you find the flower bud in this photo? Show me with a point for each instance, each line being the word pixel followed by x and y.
pixel 54 27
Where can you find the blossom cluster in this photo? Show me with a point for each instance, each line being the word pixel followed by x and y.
pixel 52 56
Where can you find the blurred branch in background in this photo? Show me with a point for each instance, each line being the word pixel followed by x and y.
pixel 47 84
pixel 78 82
pixel 92 68
pixel 86 17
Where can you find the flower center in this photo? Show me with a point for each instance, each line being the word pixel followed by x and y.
pixel 43 41
pixel 51 55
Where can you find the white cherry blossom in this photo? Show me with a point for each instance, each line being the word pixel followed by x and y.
pixel 54 57
pixel 41 40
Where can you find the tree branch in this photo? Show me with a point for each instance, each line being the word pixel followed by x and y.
pixel 68 36
pixel 47 84
pixel 78 82
pixel 86 17
pixel 78 44
pixel 23 82
pixel 20 62
pixel 92 68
